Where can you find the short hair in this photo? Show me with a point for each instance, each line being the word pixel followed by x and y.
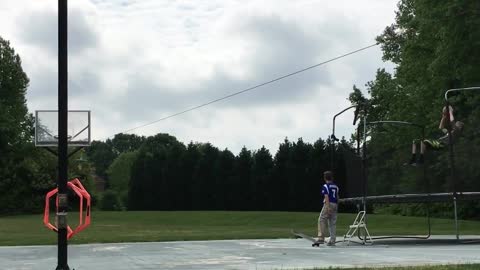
pixel 328 175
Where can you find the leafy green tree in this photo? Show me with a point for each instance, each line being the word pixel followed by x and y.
pixel 224 166
pixel 33 174
pixel 153 173
pixel 204 190
pixel 15 125
pixel 101 154
pixel 122 143
pixel 22 180
pixel 298 174
pixel 110 201
pixel 281 175
pixel 187 168
pixel 262 190
pixel 119 174
pixel 241 181
pixel 174 185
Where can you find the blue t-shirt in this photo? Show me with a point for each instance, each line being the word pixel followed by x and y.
pixel 331 190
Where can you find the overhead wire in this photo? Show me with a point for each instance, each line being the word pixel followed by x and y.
pixel 248 89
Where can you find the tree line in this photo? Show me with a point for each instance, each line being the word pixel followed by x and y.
pixel 161 173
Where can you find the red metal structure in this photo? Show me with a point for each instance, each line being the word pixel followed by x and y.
pixel 84 217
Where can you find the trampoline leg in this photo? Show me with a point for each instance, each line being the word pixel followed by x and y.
pixel 456 217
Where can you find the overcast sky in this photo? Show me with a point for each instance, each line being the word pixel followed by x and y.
pixel 132 62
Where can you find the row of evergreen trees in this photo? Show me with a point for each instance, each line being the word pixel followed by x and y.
pixel 165 174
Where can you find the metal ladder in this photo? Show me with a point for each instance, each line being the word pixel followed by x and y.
pixel 357 225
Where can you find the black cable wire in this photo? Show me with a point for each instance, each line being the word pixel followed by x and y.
pixel 249 89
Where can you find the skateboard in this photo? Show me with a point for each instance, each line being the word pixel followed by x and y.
pixel 315 243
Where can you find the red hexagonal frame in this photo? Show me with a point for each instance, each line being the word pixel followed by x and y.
pixel 82 193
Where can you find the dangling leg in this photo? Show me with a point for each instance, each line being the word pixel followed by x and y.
pixel 423 148
pixel 414 153
pixel 431 144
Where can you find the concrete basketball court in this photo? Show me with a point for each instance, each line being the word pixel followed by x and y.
pixel 240 254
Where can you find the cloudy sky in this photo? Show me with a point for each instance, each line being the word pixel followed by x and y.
pixel 132 62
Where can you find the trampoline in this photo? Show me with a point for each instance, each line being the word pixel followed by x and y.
pixel 415 198
pixel 358 170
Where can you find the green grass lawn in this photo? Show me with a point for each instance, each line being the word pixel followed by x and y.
pixel 108 227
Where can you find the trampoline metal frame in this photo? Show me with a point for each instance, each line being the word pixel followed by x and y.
pixel 455 195
pixel 365 175
pixel 451 155
pixel 364 165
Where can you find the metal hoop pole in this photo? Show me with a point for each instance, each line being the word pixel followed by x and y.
pixel 333 138
pixel 364 162
pixel 63 136
pixel 460 89
pixel 452 152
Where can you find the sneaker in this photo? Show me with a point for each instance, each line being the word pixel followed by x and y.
pixel 420 160
pixel 330 244
pixel 411 162
pixel 319 242
pixel 414 164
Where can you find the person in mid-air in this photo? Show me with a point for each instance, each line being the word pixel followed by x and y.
pixel 447 122
pixel 328 215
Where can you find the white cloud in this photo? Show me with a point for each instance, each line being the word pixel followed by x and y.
pixel 132 62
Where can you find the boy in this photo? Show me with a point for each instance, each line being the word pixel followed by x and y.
pixel 455 127
pixel 328 215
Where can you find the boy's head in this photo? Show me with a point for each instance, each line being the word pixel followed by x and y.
pixel 328 176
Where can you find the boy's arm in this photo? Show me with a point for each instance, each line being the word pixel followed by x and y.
pixel 327 200
pixel 447 118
